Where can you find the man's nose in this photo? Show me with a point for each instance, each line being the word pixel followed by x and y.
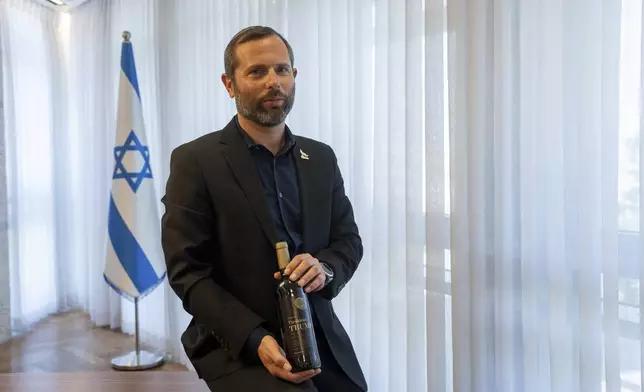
pixel 272 79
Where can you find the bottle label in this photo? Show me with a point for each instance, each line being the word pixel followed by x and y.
pixel 298 333
pixel 297 324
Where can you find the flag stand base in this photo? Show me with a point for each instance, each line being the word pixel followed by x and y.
pixel 137 359
pixel 131 361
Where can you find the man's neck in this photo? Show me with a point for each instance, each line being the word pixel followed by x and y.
pixel 270 137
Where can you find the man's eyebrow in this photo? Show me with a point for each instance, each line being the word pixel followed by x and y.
pixel 261 65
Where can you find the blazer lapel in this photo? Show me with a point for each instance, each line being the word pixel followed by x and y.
pixel 241 164
pixel 307 176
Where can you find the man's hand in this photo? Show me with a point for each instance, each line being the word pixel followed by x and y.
pixel 274 360
pixel 307 271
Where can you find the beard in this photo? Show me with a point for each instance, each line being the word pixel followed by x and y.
pixel 253 108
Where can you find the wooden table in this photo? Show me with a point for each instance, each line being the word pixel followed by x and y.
pixel 110 381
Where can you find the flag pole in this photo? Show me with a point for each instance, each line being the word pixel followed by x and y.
pixel 137 359
pixel 136 330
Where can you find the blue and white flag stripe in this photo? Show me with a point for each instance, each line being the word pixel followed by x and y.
pixel 134 259
pixel 128 67
pixel 130 254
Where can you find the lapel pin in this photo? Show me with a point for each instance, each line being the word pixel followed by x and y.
pixel 304 155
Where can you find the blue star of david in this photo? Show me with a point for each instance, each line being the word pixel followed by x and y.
pixel 132 143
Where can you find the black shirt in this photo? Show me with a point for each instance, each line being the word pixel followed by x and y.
pixel 278 175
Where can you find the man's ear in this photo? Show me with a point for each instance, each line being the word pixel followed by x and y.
pixel 228 84
pixel 294 72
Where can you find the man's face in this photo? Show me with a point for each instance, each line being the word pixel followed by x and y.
pixel 264 85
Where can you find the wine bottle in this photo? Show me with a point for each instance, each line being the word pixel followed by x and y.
pixel 298 335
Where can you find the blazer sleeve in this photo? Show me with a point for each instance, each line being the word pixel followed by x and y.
pixel 187 233
pixel 345 249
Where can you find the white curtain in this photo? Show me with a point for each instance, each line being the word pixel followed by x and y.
pixel 490 148
pixel 544 163
pixel 34 74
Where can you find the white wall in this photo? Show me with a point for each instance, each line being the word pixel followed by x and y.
pixel 5 320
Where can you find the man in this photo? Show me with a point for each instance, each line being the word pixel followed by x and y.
pixel 230 197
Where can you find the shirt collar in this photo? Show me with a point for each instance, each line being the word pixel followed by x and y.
pixel 289 140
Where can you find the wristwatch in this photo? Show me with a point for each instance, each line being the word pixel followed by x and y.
pixel 328 272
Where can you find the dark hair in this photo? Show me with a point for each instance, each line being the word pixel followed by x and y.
pixel 251 33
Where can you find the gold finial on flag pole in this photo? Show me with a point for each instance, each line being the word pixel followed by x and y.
pixel 126 36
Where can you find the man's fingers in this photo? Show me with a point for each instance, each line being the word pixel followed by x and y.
pixel 310 275
pixel 316 284
pixel 302 268
pixel 281 362
pixel 296 263
pixel 313 279
pixel 303 376
pixel 275 362
pixel 276 356
pixel 295 378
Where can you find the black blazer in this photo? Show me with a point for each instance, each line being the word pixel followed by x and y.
pixel 219 244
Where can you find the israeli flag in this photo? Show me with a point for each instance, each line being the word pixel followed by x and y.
pixel 134 261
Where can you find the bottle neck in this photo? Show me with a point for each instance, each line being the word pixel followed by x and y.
pixel 283 257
